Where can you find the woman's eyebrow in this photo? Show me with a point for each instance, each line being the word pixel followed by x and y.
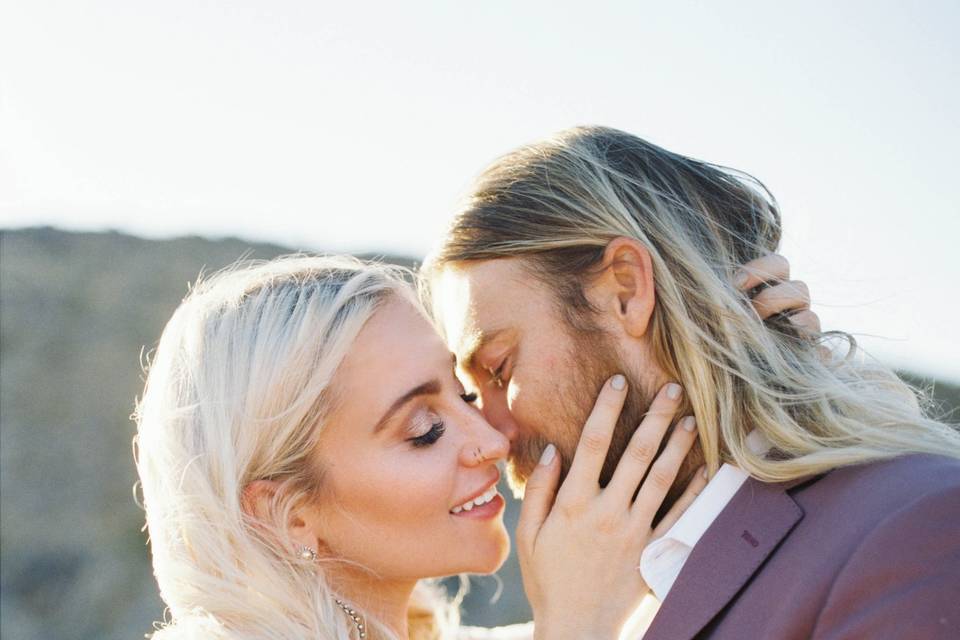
pixel 429 388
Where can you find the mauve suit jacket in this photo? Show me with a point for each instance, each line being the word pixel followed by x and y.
pixel 871 551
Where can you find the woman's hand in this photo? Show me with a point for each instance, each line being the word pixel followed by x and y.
pixel 781 295
pixel 579 553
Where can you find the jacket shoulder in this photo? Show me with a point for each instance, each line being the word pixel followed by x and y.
pixel 888 483
pixel 902 580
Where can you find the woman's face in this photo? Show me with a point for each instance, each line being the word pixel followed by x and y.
pixel 402 454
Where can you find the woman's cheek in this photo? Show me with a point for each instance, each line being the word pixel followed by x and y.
pixel 420 484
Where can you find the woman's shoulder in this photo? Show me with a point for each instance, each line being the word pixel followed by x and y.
pixel 509 632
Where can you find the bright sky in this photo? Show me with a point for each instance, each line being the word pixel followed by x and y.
pixel 356 125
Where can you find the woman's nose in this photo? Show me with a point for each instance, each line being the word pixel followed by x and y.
pixel 486 445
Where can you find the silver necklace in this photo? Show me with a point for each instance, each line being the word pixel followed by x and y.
pixel 357 620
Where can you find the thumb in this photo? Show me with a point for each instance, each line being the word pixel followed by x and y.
pixel 538 495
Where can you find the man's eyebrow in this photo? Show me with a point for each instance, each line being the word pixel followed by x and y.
pixel 472 345
pixel 429 388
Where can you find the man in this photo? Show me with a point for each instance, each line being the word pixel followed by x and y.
pixel 833 509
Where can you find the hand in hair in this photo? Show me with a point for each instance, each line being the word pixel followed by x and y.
pixel 772 292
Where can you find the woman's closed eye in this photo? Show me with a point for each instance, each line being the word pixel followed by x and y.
pixel 432 425
pixel 432 435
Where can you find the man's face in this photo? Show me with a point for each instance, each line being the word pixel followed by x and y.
pixel 536 378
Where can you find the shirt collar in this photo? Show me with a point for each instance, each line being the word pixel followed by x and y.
pixel 662 560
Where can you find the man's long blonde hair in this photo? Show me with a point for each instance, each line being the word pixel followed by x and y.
pixel 558 203
pixel 239 390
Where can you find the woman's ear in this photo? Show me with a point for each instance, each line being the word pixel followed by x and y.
pixel 625 285
pixel 258 498
pixel 259 501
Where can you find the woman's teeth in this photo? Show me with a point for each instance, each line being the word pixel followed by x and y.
pixel 476 502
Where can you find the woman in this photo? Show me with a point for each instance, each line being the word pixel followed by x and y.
pixel 309 462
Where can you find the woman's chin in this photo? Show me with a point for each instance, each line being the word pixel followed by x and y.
pixel 493 558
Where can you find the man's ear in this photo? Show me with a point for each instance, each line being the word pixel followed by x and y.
pixel 625 287
pixel 258 500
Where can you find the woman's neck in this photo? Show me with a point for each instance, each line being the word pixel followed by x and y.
pixel 387 601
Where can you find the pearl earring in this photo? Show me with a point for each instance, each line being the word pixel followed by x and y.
pixel 306 553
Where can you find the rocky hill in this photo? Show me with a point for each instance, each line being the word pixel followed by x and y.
pixel 76 309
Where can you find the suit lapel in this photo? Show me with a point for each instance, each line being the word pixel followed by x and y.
pixel 729 553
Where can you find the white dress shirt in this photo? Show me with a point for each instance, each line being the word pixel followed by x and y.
pixel 662 560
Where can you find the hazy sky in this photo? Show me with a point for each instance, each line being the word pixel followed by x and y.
pixel 355 126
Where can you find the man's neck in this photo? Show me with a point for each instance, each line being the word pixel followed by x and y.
pixel 690 466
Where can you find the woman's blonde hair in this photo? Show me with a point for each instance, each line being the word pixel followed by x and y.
pixel 239 390
pixel 558 203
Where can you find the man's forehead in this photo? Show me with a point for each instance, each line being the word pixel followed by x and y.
pixel 474 300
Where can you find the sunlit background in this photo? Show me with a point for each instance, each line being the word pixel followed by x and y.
pixel 355 126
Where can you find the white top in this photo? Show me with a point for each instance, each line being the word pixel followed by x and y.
pixel 634 628
pixel 662 560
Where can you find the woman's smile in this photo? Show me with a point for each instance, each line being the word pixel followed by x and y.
pixel 486 503
pixel 487 508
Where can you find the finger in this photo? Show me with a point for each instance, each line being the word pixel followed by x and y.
pixel 697 483
pixel 644 444
pixel 806 320
pixel 538 496
pixel 584 476
pixel 784 297
pixel 770 268
pixel 662 474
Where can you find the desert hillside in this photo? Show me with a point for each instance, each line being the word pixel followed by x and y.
pixel 76 310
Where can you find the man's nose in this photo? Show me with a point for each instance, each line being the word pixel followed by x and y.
pixel 495 409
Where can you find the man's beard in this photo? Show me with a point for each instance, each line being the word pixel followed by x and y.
pixel 596 362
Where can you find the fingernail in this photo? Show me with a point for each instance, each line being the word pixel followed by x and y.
pixel 706 476
pixel 673 391
pixel 689 423
pixel 618 382
pixel 548 453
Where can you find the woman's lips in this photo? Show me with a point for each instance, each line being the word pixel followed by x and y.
pixel 485 511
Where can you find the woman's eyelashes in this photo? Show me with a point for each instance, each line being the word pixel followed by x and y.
pixel 434 424
pixel 432 435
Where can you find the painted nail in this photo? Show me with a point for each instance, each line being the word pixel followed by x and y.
pixel 689 423
pixel 618 382
pixel 547 456
pixel 673 391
